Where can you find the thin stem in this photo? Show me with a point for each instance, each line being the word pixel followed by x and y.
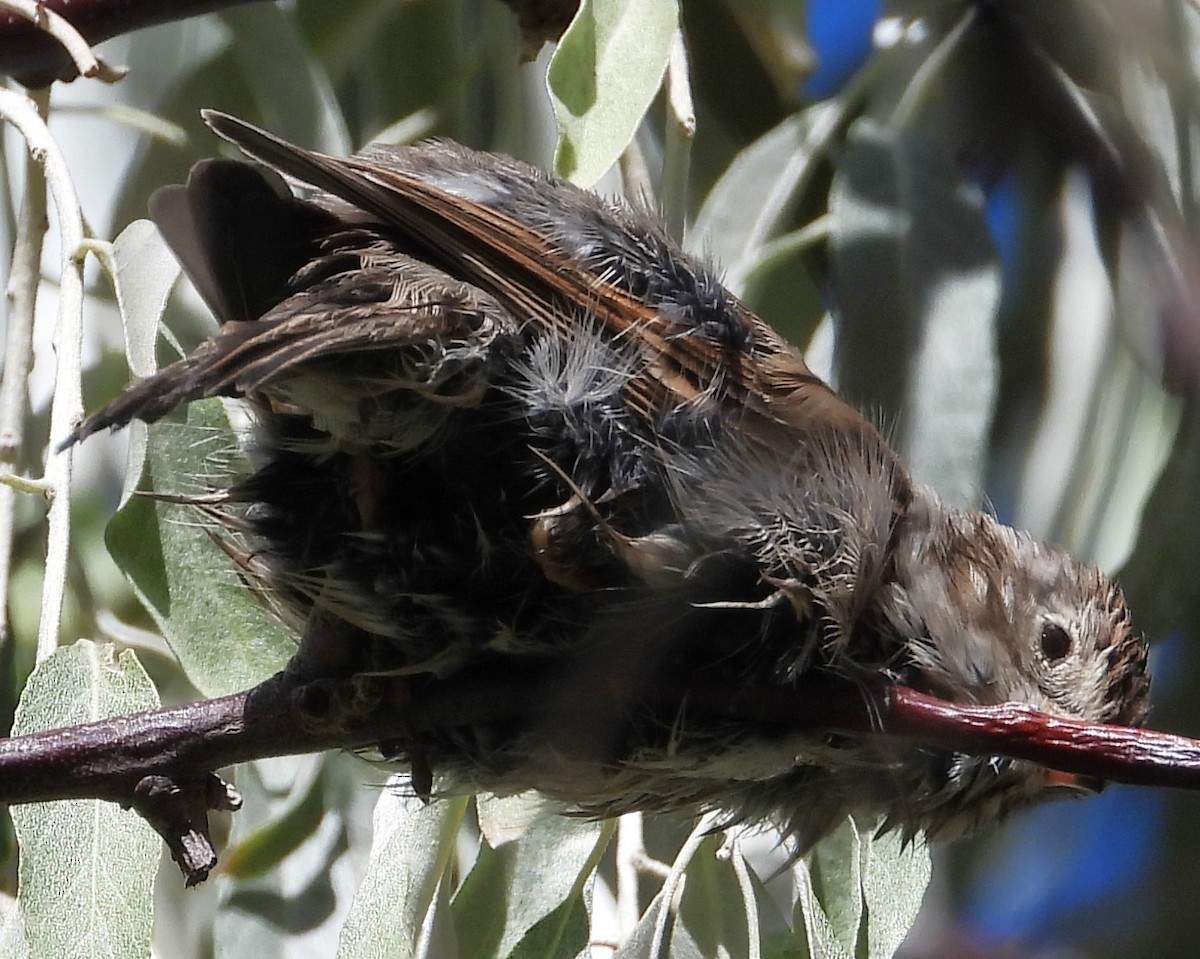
pixel 916 92
pixel 636 183
pixel 672 890
pixel 45 18
pixel 35 58
pixel 678 136
pixel 66 408
pixel 630 847
pixel 19 484
pixel 742 872
pixel 23 279
pixel 132 118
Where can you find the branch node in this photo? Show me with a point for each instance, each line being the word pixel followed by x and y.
pixel 177 808
pixel 337 705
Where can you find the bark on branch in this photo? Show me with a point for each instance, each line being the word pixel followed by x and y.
pixel 36 59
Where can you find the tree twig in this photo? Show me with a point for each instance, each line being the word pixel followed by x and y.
pixel 66 408
pixel 24 277
pixel 52 23
pixel 36 59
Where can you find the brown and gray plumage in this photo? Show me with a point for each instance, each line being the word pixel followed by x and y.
pixel 504 423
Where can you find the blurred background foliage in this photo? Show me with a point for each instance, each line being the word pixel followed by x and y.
pixel 979 217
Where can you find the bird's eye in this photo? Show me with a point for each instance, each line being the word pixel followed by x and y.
pixel 1056 642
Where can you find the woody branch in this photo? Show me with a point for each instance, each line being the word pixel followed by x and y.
pixel 161 762
pixel 35 58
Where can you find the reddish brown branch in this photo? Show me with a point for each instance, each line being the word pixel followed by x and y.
pixel 1139 757
pixel 35 59
pixel 1123 754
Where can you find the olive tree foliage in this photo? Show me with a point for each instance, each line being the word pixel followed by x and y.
pixel 981 237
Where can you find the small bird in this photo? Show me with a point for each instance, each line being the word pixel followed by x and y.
pixel 505 426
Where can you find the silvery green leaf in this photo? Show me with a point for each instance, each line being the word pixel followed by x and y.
pixel 503 819
pixel 723 910
pixel 414 843
pixel 811 925
pixel 87 867
pixel 758 190
pixel 145 271
pixel 894 880
pixel 514 887
pixel 601 79
pixel 225 639
pixel 296 907
pixel 723 914
pixel 563 932
pixel 643 944
pixel 13 944
pixel 917 287
pixel 835 871
pixel 857 896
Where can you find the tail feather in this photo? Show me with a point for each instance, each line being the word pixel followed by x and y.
pixel 239 234
pixel 152 398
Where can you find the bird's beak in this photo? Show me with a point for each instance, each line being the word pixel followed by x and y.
pixel 1076 782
